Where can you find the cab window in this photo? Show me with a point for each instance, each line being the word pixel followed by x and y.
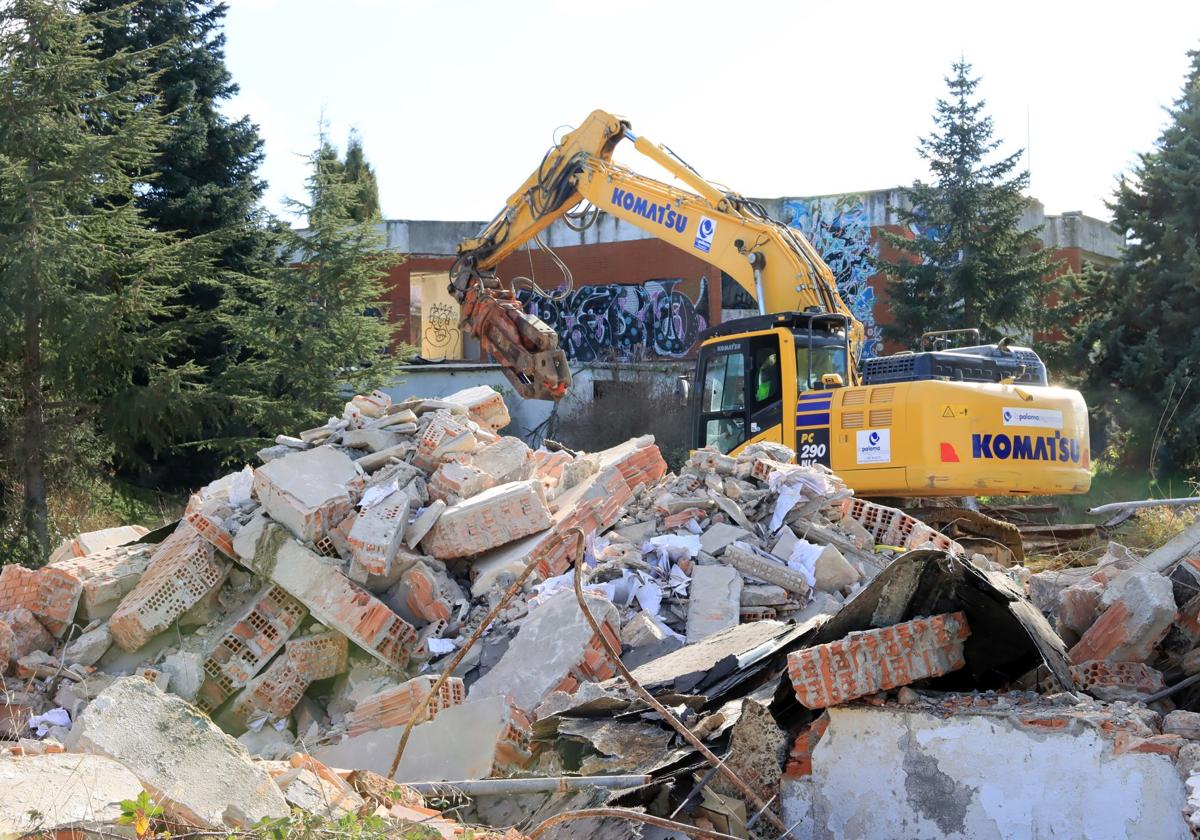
pixel 725 383
pixel 814 363
pixel 723 400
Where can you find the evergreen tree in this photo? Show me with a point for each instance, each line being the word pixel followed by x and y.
pixel 355 171
pixel 207 185
pixel 1135 328
pixel 358 173
pixel 88 328
pixel 318 330
pixel 968 264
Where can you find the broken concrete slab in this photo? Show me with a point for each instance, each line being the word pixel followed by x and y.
pixel 308 492
pixel 553 645
pixel 192 768
pixel 474 740
pixel 720 535
pixel 107 577
pixel 508 459
pixel 93 542
pixel 983 773
pixel 55 792
pixel 714 601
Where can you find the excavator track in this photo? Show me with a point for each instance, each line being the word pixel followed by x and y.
pixel 961 522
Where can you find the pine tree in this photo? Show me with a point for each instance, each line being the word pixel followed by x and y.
pixel 968 263
pixel 88 328
pixel 357 172
pixel 207 185
pixel 318 330
pixel 1136 323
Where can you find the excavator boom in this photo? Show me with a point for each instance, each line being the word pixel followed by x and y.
pixel 774 264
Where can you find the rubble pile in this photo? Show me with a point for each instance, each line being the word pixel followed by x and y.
pixel 339 631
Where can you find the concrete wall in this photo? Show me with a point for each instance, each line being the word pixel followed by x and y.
pixel 886 773
pixel 657 380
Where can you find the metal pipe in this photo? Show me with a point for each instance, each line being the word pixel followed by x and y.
pixel 543 784
pixel 1100 510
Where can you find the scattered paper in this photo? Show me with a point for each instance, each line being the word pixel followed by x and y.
pixel 803 559
pixel 378 493
pixel 41 724
pixel 440 646
pixel 240 487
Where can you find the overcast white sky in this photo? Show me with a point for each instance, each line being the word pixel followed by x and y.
pixel 456 100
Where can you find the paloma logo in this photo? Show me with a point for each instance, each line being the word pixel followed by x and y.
pixel 1042 418
pixel 704 234
pixel 874 447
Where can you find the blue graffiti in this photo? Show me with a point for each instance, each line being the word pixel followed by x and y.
pixel 839 227
pixel 623 322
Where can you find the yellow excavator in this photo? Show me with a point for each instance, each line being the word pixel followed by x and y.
pixel 976 420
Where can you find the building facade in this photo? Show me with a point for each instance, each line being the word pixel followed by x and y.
pixel 631 297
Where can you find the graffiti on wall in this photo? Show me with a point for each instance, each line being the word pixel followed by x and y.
pixel 839 227
pixel 623 322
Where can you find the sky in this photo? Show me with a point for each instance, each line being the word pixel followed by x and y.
pixel 457 100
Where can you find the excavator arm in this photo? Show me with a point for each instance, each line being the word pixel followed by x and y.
pixel 777 266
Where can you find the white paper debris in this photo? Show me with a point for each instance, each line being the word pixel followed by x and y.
pixel 803 559
pixel 440 646
pixel 41 724
pixel 378 493
pixel 239 488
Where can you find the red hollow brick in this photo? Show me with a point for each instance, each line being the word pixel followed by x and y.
pixel 871 661
pixel 182 571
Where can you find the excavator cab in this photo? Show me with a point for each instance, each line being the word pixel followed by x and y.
pixel 750 369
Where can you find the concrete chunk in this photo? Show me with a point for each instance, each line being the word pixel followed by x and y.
pixel 551 647
pixel 833 572
pixel 1139 608
pixel 425 520
pixel 484 404
pixel 508 459
pixel 474 740
pixel 308 492
pixel 196 771
pixel 714 601
pixel 494 517
pixel 720 535
pixel 46 793
pixel 375 536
